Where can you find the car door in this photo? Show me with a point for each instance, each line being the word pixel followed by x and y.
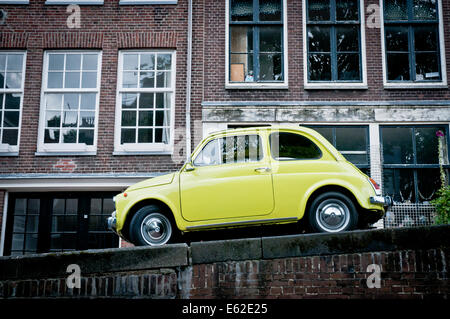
pixel 231 179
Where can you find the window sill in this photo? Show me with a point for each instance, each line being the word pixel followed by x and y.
pixel 335 86
pixel 137 2
pixel 256 86
pixel 148 153
pixel 63 153
pixel 15 2
pixel 4 153
pixel 408 86
pixel 78 2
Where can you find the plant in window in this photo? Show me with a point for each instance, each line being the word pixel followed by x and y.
pixel 442 202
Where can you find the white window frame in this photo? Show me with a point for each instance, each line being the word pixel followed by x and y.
pixel 256 85
pixel 67 148
pixel 336 84
pixel 416 85
pixel 14 1
pixel 144 148
pixel 78 2
pixel 6 149
pixel 141 2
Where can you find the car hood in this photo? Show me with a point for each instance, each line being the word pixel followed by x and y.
pixel 155 181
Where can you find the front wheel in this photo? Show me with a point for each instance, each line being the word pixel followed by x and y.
pixel 332 212
pixel 151 227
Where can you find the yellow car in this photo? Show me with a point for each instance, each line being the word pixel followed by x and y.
pixel 247 177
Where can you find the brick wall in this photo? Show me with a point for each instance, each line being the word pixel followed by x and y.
pixel 37 27
pixel 414 264
pixel 214 88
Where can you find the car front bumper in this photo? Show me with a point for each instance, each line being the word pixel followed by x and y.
pixel 112 221
pixel 386 201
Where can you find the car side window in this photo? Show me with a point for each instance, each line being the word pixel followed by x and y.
pixel 290 146
pixel 231 149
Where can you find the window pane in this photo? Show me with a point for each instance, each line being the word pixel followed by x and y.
pixel 72 80
pixel 318 10
pixel 241 68
pixel 241 39
pixel 51 136
pixel 270 67
pixel 163 79
pixel 56 62
pixel 11 119
pixel 13 80
pixel 129 79
pixel 32 224
pixel 2 80
pixel 398 66
pixel 55 80
pixel 12 101
pixel 270 10
pixel 86 137
pixel 425 38
pixel 241 10
pixel 87 119
pixel 427 67
pixel 88 101
pixel 53 101
pixel 347 10
pixel 128 136
pixel 3 62
pixel 19 224
pixel 319 67
pixel 396 38
pixel 428 183
pixel 129 118
pixel 395 10
pixel 145 135
pixel 130 61
pixel 209 155
pixel 73 61
pixel 69 136
pixel 146 118
pixel 270 39
pixel 397 145
pixel 425 9
pixel 326 132
pixel 356 158
pixel 146 100
pixel 319 39
pixel 347 39
pixel 147 80
pixel 90 61
pixel 129 101
pixel 34 206
pixel 291 146
pixel 427 144
pixel 89 80
pixel 351 138
pixel 399 184
pixel 10 137
pixel 348 67
pixel 147 62
pixel 53 119
pixel 71 101
pixel 15 62
pixel 164 61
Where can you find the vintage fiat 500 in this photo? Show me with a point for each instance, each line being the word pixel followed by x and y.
pixel 247 177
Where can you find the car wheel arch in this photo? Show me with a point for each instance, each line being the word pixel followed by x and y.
pixel 142 203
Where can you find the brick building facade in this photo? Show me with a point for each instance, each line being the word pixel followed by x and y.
pixel 94 97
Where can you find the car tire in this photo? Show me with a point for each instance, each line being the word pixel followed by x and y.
pixel 151 226
pixel 332 212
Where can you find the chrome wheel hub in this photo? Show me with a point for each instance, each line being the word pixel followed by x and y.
pixel 332 215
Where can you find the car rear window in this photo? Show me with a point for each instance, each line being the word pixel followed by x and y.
pixel 286 146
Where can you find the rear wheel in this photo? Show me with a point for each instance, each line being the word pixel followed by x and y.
pixel 150 226
pixel 332 212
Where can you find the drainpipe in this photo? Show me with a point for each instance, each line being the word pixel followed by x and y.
pixel 188 81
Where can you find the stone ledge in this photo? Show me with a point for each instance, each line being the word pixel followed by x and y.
pixel 101 261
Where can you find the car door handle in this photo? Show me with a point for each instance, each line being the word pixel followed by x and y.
pixel 262 169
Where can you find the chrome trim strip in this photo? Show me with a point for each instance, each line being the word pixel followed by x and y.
pixel 265 221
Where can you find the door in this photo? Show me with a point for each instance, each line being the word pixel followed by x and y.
pixel 52 222
pixel 231 179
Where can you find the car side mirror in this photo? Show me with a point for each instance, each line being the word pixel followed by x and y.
pixel 189 165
